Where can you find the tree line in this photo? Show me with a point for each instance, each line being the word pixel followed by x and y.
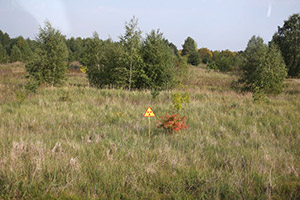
pixel 224 60
pixel 133 62
pixel 153 62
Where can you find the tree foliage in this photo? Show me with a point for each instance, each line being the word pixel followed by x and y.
pixel 263 67
pixel 26 52
pixel 159 61
pixel 131 63
pixel 173 47
pixel 288 40
pixel 15 54
pixel 190 50
pixel 91 58
pixel 189 47
pixel 274 71
pixel 194 58
pixel 5 40
pixel 225 60
pixel 205 55
pixel 3 54
pixel 104 63
pixel 49 62
pixel 75 48
pixel 132 44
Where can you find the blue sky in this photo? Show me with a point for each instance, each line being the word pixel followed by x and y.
pixel 215 24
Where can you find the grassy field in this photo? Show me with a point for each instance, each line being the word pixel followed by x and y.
pixel 78 142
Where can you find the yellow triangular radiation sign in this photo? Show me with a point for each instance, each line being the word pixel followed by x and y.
pixel 149 113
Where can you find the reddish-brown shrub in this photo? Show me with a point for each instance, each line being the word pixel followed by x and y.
pixel 172 123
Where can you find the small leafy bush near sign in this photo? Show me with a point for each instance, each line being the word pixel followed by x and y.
pixel 172 123
pixel 179 99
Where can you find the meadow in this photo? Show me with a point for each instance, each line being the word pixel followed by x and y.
pixel 79 142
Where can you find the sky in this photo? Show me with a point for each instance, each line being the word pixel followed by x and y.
pixel 214 24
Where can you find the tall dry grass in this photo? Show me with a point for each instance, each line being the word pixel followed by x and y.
pixel 78 142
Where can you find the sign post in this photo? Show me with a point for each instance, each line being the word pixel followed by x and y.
pixel 149 113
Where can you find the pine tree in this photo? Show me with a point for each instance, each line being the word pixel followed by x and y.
pixel 159 61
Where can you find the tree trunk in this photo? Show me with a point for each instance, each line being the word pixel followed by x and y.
pixel 130 76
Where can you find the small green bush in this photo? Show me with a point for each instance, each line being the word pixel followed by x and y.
pixel 194 58
pixel 213 66
pixel 179 99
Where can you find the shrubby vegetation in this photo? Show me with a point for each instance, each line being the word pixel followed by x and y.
pixel 172 123
pixel 212 65
pixel 181 68
pixel 15 54
pixel 263 69
pixel 94 58
pixel 225 60
pixel 205 55
pixel 75 48
pixel 194 58
pixel 48 64
pixel 132 63
pixel 160 62
pixel 15 49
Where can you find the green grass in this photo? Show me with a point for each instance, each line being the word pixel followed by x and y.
pixel 78 142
